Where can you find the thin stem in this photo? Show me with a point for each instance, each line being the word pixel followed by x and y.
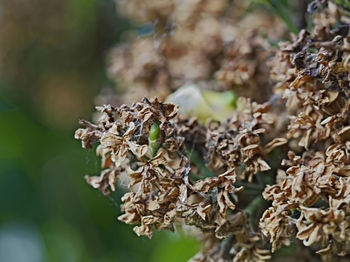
pixel 278 9
pixel 195 158
pixel 253 206
pixel 249 186
pixel 260 179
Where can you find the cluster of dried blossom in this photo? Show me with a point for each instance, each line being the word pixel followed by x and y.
pixel 210 42
pixel 211 176
pixel 311 194
pixel 171 187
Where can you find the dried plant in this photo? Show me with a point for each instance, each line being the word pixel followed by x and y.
pixel 214 170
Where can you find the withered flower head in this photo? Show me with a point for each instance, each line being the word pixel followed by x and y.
pixel 237 143
pixel 161 156
pixel 159 168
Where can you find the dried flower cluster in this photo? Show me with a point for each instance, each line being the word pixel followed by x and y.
pixel 196 170
pixel 237 140
pixel 170 184
pixel 310 198
pixel 210 42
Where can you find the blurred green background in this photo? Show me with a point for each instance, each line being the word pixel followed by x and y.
pixel 52 66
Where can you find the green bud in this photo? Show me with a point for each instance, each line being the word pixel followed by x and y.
pixel 153 137
pixel 154 131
